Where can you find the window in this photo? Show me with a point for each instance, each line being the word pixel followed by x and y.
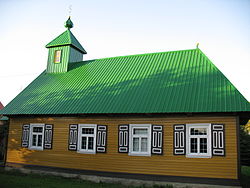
pixel 198 140
pixel 36 136
pixel 57 57
pixel 87 138
pixel 140 139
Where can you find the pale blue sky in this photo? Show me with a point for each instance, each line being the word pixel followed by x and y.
pixel 115 27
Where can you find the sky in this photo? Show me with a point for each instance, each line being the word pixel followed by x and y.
pixel 115 28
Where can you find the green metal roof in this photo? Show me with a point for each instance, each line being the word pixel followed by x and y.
pixel 66 38
pixel 167 82
pixel 4 118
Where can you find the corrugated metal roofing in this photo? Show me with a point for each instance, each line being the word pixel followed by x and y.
pixel 167 82
pixel 4 118
pixel 66 38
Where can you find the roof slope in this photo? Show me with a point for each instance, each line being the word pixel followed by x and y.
pixel 66 38
pixel 167 82
pixel 1 106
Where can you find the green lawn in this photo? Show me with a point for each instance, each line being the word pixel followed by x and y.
pixel 15 179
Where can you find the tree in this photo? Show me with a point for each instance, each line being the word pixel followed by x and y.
pixel 245 144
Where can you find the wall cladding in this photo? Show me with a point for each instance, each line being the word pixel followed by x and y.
pixel 113 161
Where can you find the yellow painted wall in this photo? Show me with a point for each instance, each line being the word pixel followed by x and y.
pixel 166 164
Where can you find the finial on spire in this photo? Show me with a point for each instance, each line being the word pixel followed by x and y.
pixel 68 24
pixel 197 45
pixel 70 10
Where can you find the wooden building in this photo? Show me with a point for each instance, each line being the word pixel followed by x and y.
pixel 169 116
pixel 3 136
pixel 1 105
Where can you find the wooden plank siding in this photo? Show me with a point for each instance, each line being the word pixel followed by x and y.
pixel 63 65
pixel 112 161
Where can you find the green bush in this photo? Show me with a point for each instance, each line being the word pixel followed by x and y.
pixel 244 146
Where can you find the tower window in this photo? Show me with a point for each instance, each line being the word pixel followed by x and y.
pixel 57 58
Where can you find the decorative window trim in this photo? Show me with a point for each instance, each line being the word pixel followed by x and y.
pixel 48 136
pixel 179 142
pixel 25 135
pixel 31 137
pixel 101 138
pixel 80 126
pixel 218 139
pixel 157 140
pixel 123 138
pixel 208 136
pixel 131 127
pixel 73 137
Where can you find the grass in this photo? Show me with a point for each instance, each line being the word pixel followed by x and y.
pixel 16 179
pixel 245 176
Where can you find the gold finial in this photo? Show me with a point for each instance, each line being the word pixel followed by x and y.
pixel 197 45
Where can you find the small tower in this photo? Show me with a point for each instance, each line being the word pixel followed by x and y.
pixel 63 50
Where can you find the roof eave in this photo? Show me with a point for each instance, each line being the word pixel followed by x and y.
pixel 80 50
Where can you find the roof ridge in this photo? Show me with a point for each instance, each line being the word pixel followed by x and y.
pixel 150 53
pixel 70 35
pixel 66 38
pixel 215 67
pixel 56 38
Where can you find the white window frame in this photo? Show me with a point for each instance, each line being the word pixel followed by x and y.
pixel 131 136
pixel 32 125
pixel 86 151
pixel 208 136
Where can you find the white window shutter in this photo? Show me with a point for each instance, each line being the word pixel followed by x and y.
pixel 123 138
pixel 101 139
pixel 48 136
pixel 179 140
pixel 218 140
pixel 25 135
pixel 73 137
pixel 157 140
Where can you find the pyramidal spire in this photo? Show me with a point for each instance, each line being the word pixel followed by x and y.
pixel 69 24
pixel 63 50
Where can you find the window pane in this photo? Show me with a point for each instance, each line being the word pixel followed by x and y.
pixel 135 144
pixel 84 142
pixel 37 129
pixel 198 131
pixel 193 142
pixel 90 143
pixel 144 144
pixel 57 56
pixel 39 140
pixel 203 145
pixel 34 140
pixel 140 131
pixel 87 130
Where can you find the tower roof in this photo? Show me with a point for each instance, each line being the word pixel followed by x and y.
pixel 66 38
